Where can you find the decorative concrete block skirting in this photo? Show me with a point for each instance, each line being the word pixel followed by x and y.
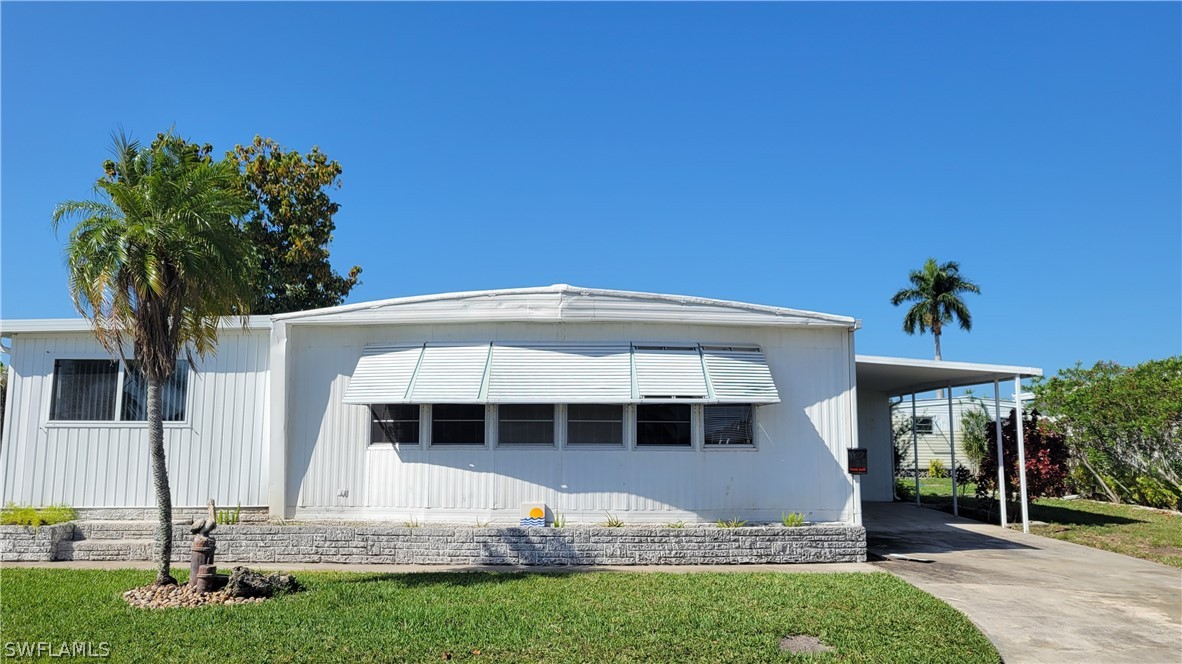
pixel 467 545
pixel 25 543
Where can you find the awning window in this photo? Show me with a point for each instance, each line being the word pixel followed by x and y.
pixel 383 374
pixel 739 375
pixel 560 372
pixel 669 373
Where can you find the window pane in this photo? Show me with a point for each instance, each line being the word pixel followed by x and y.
pixel 728 425
pixel 457 424
pixel 525 424
pixel 84 390
pixel 923 425
pixel 594 424
pixel 394 423
pixel 172 394
pixel 663 424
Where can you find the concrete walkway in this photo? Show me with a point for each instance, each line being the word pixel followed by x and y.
pixel 1037 599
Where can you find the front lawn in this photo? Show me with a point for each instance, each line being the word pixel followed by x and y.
pixel 1134 531
pixel 589 617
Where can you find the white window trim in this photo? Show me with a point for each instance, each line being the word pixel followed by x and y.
pixel 117 423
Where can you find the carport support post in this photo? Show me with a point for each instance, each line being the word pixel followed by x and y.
pixel 1021 450
pixel 915 448
pixel 952 447
pixel 1001 467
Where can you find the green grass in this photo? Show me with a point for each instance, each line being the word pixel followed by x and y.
pixel 590 617
pixel 1134 531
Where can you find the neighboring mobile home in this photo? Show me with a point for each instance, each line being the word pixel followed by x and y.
pixel 465 407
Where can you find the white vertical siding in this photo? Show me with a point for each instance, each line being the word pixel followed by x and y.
pixel 217 453
pixel 796 465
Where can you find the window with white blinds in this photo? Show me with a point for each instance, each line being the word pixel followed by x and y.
pixel 729 425
pixel 88 391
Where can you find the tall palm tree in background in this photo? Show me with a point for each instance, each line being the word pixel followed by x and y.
pixel 155 261
pixel 936 290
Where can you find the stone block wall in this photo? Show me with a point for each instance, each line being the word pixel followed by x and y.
pixel 26 543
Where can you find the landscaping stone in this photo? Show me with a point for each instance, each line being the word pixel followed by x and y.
pixel 165 597
pixel 247 583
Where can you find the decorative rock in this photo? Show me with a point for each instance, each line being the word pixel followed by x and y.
pixel 165 597
pixel 247 583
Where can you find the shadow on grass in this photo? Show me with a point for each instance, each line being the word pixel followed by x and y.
pixel 455 579
pixel 1077 517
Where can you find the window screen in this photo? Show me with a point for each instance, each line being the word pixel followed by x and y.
pixel 594 424
pixel 394 423
pixel 84 390
pixel 923 425
pixel 531 424
pixel 457 424
pixel 729 424
pixel 663 424
pixel 172 394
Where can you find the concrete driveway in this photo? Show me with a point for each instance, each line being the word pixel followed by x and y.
pixel 1037 599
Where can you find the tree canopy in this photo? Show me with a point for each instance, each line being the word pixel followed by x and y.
pixel 936 291
pixel 291 226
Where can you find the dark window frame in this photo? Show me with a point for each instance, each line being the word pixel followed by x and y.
pixel 551 422
pixel 435 428
pixel 385 420
pixel 651 425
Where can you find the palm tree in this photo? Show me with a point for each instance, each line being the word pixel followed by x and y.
pixel 936 291
pixel 155 261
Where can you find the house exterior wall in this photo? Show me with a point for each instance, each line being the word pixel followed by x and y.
pixel 798 463
pixel 874 434
pixel 935 445
pixel 218 452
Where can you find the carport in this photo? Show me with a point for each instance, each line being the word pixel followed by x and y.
pixel 881 378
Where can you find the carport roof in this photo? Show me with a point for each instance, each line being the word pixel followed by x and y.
pixel 900 375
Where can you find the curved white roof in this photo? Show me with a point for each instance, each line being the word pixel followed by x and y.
pixel 563 303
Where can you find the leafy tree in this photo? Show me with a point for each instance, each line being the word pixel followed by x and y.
pixel 1123 425
pixel 156 260
pixel 291 226
pixel 936 291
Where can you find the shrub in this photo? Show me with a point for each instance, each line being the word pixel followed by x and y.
pixel 936 468
pixel 1046 459
pixel 27 515
pixel 1154 493
pixel 730 523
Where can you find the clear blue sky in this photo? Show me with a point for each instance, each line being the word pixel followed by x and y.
pixel 798 155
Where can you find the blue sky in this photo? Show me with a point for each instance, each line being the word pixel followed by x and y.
pixel 799 155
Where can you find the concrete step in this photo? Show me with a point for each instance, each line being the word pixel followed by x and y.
pixel 106 549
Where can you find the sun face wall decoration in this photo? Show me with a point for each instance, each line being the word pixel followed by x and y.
pixel 533 515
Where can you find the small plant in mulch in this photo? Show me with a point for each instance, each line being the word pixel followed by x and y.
pixel 244 587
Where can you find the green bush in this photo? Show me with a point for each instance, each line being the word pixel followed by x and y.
pixel 905 489
pixel 792 519
pixel 1154 493
pixel 936 468
pixel 27 515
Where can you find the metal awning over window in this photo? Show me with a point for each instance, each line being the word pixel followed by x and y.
pixel 560 372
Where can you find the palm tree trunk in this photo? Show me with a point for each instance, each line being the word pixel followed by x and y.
pixel 160 480
pixel 936 336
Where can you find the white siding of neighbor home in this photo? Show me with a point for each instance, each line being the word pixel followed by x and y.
pixel 219 452
pixel 798 463
pixel 935 445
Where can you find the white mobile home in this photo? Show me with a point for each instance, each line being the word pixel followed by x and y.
pixel 464 407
